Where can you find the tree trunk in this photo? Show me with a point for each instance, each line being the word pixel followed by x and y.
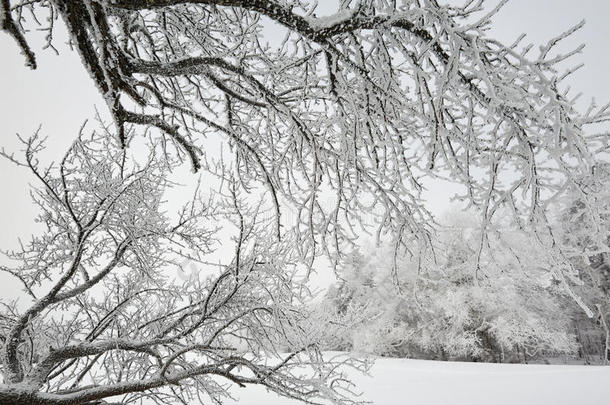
pixel 604 322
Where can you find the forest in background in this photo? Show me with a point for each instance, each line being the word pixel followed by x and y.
pixel 432 305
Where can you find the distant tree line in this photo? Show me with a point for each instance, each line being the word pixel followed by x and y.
pixel 440 304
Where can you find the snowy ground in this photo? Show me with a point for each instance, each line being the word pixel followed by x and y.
pixel 401 381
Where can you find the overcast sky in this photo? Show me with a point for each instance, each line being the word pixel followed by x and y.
pixel 59 95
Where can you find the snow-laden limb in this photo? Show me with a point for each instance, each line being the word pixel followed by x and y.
pixel 107 318
pixel 366 103
pixel 8 25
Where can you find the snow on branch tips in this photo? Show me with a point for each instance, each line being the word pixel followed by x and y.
pixel 328 129
pixel 107 316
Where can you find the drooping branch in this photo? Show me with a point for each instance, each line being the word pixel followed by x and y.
pixel 8 25
pixel 106 234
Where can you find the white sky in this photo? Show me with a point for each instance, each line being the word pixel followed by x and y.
pixel 59 95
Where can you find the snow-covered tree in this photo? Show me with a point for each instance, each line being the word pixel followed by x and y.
pixel 365 103
pixel 584 225
pixel 111 312
pixel 433 307
pixel 336 122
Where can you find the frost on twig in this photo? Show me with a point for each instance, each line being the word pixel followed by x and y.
pixel 108 317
